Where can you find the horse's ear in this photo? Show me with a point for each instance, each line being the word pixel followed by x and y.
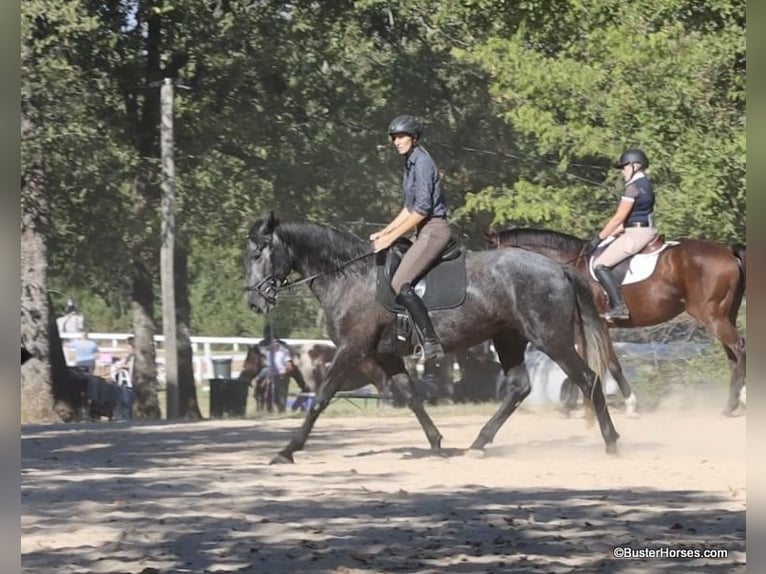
pixel 270 223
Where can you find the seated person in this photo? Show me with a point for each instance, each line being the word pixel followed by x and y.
pixel 85 352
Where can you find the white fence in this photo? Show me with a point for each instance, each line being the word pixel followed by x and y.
pixel 114 346
pixel 546 377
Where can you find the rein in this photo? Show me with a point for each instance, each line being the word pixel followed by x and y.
pixel 270 286
pixel 310 278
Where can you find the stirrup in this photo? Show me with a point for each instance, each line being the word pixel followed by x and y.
pixel 621 312
pixel 420 352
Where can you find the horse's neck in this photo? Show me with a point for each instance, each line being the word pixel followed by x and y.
pixel 310 263
pixel 330 288
pixel 557 255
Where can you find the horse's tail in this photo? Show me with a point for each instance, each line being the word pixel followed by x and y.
pixel 740 250
pixel 593 333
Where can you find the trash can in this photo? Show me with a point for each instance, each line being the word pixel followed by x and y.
pixel 228 397
pixel 222 368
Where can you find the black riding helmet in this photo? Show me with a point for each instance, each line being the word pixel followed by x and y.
pixel 633 155
pixel 405 124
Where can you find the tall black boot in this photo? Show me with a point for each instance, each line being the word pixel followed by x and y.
pixel 617 308
pixel 432 348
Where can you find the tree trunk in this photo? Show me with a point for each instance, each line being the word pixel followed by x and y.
pixel 147 404
pixel 145 123
pixel 36 381
pixel 187 390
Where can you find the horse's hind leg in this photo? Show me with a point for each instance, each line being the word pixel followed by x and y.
pixel 724 329
pixel 510 349
pixel 569 391
pixel 576 369
pixel 568 395
pixel 734 346
pixel 615 369
pixel 394 367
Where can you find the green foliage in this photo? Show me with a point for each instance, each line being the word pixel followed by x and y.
pixel 284 107
pixel 603 76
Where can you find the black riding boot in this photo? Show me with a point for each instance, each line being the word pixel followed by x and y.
pixel 617 308
pixel 432 348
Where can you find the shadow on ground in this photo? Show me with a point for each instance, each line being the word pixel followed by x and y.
pixel 198 498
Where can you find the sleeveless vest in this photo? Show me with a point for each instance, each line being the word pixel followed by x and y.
pixel 643 206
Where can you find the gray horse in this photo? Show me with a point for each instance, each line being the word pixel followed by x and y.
pixel 512 297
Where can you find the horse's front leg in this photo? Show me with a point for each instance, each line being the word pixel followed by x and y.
pixel 394 368
pixel 345 360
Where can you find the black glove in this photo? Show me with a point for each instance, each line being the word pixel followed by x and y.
pixel 592 245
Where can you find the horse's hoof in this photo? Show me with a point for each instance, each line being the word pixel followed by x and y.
pixel 611 449
pixel 475 453
pixel 632 415
pixel 738 411
pixel 282 459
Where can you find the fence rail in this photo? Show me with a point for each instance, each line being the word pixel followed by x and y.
pixel 114 346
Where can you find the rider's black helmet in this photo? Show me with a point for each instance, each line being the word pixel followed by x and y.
pixel 633 155
pixel 405 124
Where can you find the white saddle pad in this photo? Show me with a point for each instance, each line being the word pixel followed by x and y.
pixel 641 265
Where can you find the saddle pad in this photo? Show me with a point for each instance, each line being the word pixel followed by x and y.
pixel 636 268
pixel 442 287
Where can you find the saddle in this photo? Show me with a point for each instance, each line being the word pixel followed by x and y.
pixel 639 266
pixel 441 287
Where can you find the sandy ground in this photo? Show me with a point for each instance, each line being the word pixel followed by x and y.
pixel 367 496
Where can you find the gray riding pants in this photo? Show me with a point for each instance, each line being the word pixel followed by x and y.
pixel 431 240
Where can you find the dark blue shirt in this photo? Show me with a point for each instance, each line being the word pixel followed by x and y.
pixel 642 194
pixel 421 185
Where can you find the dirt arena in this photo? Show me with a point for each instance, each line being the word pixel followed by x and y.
pixel 367 496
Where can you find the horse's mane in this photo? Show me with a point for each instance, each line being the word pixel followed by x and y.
pixel 528 237
pixel 323 245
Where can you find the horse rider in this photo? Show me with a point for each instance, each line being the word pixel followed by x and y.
pixel 632 225
pixel 425 211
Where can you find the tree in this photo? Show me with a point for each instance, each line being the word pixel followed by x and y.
pixel 48 31
pixel 582 85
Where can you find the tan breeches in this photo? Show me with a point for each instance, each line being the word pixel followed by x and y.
pixel 628 243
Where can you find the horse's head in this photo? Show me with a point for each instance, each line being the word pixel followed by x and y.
pixel 267 264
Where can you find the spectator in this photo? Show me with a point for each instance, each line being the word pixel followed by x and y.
pixel 85 352
pixel 278 360
pixel 125 379
pixel 73 320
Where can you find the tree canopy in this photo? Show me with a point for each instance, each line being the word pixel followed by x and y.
pixel 284 106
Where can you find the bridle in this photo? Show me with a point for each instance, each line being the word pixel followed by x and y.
pixel 270 286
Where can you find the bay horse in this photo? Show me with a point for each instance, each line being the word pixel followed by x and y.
pixel 366 372
pixel 263 391
pixel 704 278
pixel 512 297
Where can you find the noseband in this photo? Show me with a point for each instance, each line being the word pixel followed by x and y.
pixel 268 288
